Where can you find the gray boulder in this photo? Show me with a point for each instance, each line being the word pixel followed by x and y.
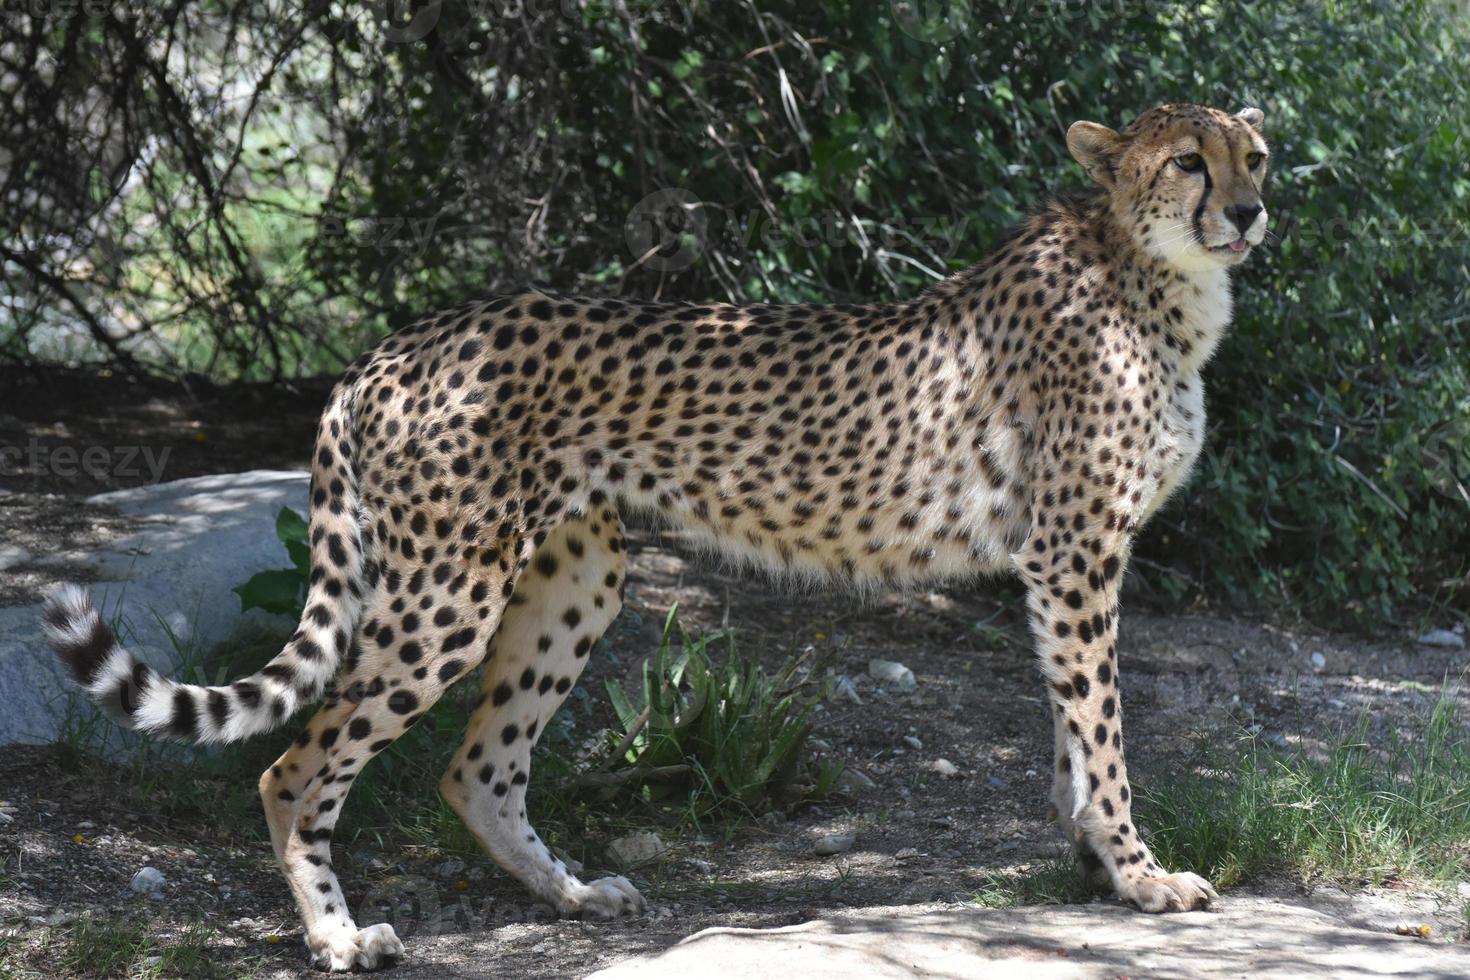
pixel 196 539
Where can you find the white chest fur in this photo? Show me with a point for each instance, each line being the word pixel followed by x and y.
pixel 1205 301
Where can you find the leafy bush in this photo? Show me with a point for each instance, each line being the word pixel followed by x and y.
pixel 716 736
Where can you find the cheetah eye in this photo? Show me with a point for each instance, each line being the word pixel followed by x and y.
pixel 1190 163
pixel 1254 160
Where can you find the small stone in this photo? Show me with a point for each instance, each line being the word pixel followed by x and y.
pixel 906 853
pixel 833 844
pixel 846 690
pixel 5 818
pixel 892 672
pixel 1463 890
pixel 945 768
pixel 701 865
pixel 635 849
pixel 913 742
pixel 997 782
pixel 1318 660
pixel 853 782
pixel 1448 639
pixel 148 881
pixel 450 869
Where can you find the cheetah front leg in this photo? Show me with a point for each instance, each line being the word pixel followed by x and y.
pixel 1073 568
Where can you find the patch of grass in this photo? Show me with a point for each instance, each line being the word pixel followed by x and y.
pixel 1372 809
pixel 97 947
pixel 1056 882
pixel 94 946
pixel 186 956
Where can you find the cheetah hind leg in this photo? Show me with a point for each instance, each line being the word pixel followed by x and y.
pixel 563 602
pixel 407 660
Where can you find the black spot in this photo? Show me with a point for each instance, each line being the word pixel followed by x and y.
pixel 402 702
pixel 185 718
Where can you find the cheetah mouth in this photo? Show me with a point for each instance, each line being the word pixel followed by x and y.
pixel 1239 246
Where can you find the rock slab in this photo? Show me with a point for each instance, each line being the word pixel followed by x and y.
pixel 1246 937
pixel 196 540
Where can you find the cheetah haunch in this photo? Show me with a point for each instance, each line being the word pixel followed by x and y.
pixel 1028 414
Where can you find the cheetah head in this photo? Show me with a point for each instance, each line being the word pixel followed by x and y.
pixel 1184 180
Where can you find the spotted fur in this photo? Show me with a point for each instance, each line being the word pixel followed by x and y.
pixel 1025 416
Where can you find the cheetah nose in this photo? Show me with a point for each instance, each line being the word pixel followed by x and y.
pixel 1243 215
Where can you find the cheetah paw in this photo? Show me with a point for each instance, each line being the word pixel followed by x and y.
pixel 1178 892
pixel 606 898
pixel 365 949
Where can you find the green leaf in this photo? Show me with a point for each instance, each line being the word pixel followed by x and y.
pixel 282 591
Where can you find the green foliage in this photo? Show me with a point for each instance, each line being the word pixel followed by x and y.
pixel 282 590
pixel 716 736
pixel 837 151
pixel 1376 807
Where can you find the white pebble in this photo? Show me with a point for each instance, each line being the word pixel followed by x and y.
pixel 635 849
pixel 893 672
pixel 833 844
pixel 148 881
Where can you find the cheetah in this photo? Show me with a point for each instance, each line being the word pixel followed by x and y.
pixel 471 473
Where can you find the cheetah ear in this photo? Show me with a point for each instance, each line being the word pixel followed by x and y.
pixel 1097 148
pixel 1252 117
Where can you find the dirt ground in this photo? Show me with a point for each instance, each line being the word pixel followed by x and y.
pixel 67 845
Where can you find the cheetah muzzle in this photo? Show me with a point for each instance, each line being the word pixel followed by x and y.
pixel 1026 416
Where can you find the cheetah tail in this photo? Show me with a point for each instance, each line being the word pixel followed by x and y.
pixel 139 698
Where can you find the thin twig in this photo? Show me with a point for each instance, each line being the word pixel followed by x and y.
pixel 634 774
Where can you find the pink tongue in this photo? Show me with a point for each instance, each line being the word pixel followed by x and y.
pixel 1239 245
